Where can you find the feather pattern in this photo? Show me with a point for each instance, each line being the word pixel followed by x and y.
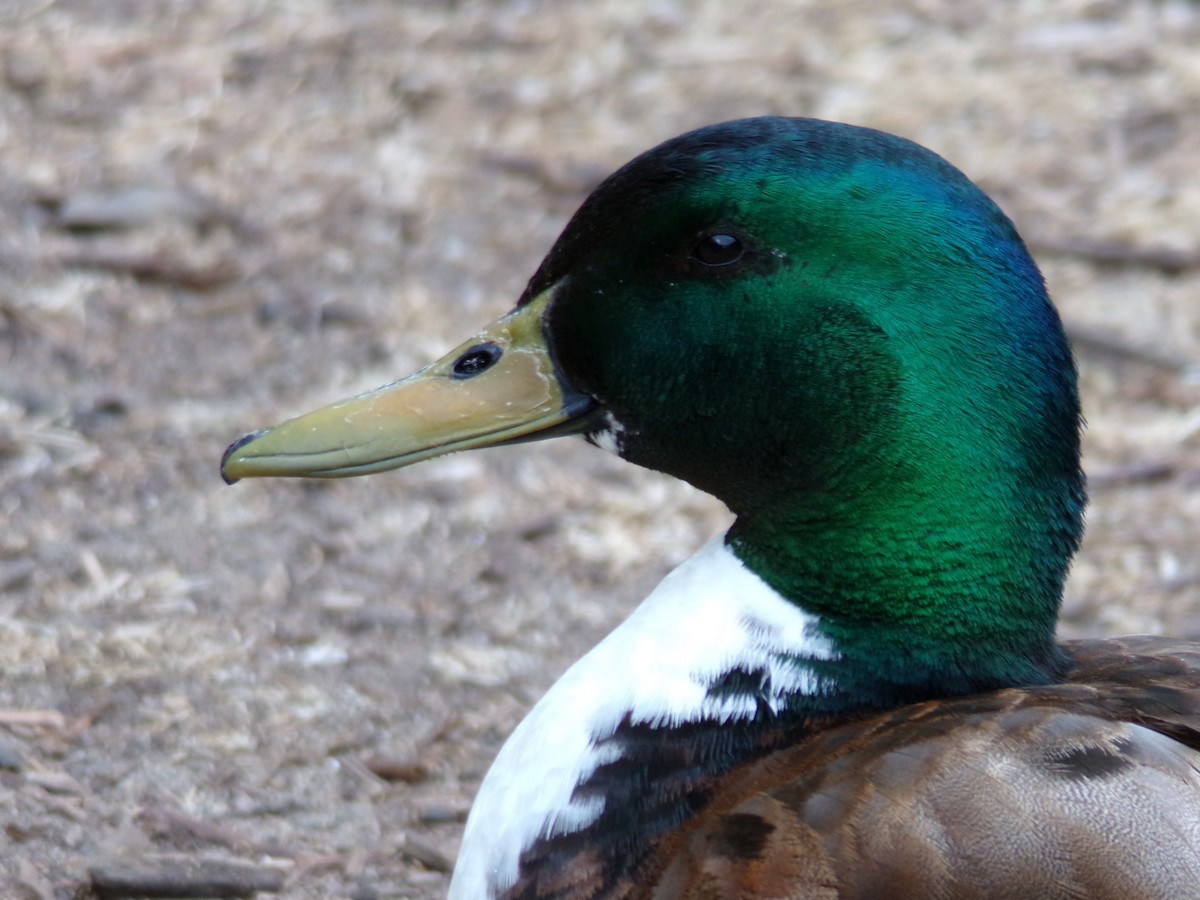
pixel 1089 788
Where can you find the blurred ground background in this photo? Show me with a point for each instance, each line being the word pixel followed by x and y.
pixel 217 214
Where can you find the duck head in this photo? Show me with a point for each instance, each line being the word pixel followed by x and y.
pixel 829 328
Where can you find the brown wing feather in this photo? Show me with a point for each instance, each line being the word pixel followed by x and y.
pixel 1088 789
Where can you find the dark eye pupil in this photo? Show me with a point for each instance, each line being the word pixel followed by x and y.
pixel 478 359
pixel 718 250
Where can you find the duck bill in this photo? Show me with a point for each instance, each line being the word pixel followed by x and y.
pixel 500 387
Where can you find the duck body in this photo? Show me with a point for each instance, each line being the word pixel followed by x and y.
pixel 1084 788
pixel 857 691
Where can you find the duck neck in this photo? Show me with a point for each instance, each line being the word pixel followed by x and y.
pixel 937 587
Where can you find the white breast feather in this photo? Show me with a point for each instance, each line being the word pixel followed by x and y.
pixel 707 617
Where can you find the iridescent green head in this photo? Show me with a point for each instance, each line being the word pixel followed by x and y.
pixel 835 332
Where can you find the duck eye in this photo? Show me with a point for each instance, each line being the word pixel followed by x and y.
pixel 718 250
pixel 478 359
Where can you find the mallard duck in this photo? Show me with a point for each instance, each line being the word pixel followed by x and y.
pixel 856 692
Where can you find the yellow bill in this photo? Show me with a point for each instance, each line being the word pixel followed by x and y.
pixel 500 387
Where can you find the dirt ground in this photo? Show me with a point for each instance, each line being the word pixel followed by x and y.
pixel 217 214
